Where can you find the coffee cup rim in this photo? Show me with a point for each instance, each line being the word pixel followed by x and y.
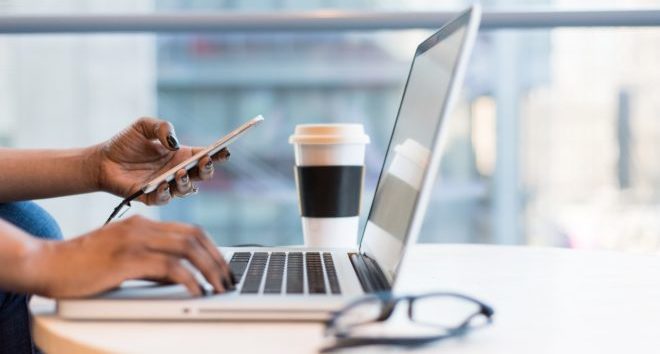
pixel 332 133
pixel 328 139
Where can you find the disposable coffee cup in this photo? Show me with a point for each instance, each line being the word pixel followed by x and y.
pixel 399 186
pixel 409 163
pixel 329 174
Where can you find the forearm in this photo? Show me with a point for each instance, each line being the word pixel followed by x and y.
pixel 36 174
pixel 16 250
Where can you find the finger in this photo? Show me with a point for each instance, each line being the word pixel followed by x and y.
pixel 205 168
pixel 177 273
pixel 212 249
pixel 153 128
pixel 169 268
pixel 160 196
pixel 183 185
pixel 219 156
pixel 202 237
pixel 188 247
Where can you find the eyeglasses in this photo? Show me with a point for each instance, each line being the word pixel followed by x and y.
pixel 433 316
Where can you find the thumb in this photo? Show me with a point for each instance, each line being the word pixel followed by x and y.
pixel 153 128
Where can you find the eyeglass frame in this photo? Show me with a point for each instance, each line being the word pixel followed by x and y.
pixel 388 304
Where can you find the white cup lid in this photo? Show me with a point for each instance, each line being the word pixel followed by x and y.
pixel 329 134
pixel 413 151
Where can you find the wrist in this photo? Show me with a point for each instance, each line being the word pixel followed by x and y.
pixel 35 263
pixel 93 167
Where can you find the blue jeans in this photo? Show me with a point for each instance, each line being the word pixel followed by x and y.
pixel 15 330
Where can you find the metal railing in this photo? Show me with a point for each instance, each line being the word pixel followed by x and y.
pixel 326 20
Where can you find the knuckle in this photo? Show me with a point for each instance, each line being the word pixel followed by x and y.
pixel 172 266
pixel 131 250
pixel 143 120
pixel 198 230
pixel 190 245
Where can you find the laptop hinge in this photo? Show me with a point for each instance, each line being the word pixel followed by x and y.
pixel 369 274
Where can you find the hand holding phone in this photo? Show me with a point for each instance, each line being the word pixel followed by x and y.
pixel 186 165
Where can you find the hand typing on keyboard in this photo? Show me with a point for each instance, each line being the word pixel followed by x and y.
pixel 130 248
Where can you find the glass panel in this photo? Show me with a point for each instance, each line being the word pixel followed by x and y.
pixel 63 91
pixel 553 142
pixel 208 84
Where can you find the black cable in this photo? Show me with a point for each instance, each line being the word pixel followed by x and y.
pixel 125 202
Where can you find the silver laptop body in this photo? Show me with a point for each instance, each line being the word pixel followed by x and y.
pixel 283 283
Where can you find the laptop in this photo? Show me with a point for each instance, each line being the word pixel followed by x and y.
pixel 289 283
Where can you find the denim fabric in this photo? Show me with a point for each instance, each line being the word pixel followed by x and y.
pixel 15 332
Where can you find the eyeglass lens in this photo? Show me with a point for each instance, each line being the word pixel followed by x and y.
pixel 443 311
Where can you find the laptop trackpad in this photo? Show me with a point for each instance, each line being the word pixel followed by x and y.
pixel 143 289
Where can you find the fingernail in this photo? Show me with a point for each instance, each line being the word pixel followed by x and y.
pixel 173 141
pixel 226 284
pixel 184 179
pixel 209 165
pixel 166 193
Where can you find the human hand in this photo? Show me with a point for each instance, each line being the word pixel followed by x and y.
pixel 134 248
pixel 143 151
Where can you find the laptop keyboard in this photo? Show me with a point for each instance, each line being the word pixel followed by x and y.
pixel 332 274
pixel 289 272
pixel 294 273
pixel 254 274
pixel 275 275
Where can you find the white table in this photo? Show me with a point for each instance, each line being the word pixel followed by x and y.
pixel 546 301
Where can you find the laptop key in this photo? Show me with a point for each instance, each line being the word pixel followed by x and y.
pixel 331 273
pixel 294 273
pixel 238 263
pixel 275 273
pixel 315 278
pixel 255 273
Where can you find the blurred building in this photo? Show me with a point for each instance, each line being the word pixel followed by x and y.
pixel 210 83
pixel 553 143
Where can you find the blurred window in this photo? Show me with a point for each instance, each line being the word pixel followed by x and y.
pixel 553 142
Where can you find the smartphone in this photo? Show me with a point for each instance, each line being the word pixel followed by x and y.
pixel 209 150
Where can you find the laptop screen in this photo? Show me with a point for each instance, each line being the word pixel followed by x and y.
pixel 414 137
